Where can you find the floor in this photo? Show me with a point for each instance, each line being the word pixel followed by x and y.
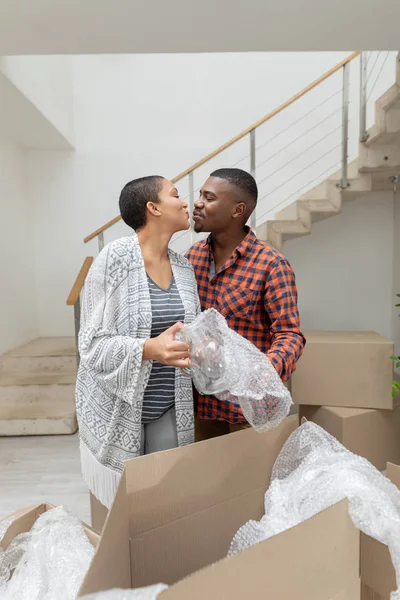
pixel 42 469
pixel 35 469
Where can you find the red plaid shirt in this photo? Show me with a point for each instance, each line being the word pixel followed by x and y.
pixel 256 293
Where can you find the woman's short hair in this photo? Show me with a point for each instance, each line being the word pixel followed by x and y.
pixel 134 197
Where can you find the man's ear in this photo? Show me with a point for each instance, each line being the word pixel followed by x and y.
pixel 153 209
pixel 239 210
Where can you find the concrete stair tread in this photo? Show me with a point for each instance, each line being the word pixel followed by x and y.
pixel 375 135
pixel 61 346
pixel 26 379
pixel 45 409
pixel 319 206
pixel 289 226
pixel 37 388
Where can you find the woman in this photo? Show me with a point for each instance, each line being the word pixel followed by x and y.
pixel 133 396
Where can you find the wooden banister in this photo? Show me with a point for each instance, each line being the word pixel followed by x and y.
pixel 241 135
pixel 80 280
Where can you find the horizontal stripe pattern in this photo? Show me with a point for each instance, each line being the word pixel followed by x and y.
pixel 167 308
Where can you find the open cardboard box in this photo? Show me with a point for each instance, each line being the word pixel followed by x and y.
pixel 24 519
pixel 175 514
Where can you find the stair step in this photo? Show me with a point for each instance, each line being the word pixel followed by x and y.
pixel 37 410
pixel 24 379
pixel 289 227
pixel 10 365
pixel 62 346
pixel 37 388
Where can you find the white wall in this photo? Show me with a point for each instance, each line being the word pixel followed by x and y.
pixel 18 314
pixel 47 82
pixel 344 268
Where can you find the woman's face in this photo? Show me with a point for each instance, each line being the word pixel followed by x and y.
pixel 174 210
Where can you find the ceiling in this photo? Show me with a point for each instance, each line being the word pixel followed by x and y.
pixel 158 26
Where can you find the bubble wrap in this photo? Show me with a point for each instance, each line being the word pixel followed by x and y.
pixel 148 593
pixel 228 366
pixel 50 561
pixel 314 471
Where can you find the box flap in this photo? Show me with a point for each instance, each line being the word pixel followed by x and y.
pixel 317 560
pixel 23 521
pixel 186 504
pixel 393 473
pixel 377 571
pixel 110 566
pixel 25 518
pixel 345 412
pixel 343 337
pixel 166 486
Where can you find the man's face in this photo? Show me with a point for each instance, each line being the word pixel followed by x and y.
pixel 216 207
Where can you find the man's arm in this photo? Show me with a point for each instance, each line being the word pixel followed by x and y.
pixel 280 301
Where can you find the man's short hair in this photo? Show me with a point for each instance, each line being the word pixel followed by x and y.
pixel 241 179
pixel 134 197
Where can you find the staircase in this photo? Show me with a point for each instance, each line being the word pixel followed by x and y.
pixel 377 162
pixel 37 388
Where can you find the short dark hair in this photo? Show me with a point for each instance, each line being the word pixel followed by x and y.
pixel 241 179
pixel 134 197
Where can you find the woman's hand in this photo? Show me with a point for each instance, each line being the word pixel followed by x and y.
pixel 167 350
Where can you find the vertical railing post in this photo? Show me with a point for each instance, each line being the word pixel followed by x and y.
pixel 345 126
pixel 253 218
pixel 191 204
pixel 363 97
pixel 100 239
pixel 77 320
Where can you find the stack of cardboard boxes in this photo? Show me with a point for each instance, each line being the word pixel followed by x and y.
pixel 176 512
pixel 343 383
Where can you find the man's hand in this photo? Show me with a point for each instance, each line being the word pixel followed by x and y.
pixel 167 350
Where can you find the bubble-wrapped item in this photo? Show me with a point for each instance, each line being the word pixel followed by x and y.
pixel 231 368
pixel 50 561
pixel 147 593
pixel 313 472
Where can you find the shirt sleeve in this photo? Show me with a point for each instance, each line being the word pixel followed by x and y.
pixel 280 301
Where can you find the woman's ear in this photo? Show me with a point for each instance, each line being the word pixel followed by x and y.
pixel 153 209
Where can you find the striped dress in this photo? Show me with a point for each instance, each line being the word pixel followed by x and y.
pixel 167 309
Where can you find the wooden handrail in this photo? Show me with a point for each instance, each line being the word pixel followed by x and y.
pixel 241 135
pixel 80 280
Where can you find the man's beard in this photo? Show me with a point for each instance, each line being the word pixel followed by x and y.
pixel 198 227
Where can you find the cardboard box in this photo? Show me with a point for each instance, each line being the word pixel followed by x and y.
pixel 345 368
pixel 24 519
pixel 372 433
pixel 377 572
pixel 98 514
pixel 176 512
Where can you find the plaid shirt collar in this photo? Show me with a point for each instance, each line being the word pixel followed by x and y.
pixel 242 249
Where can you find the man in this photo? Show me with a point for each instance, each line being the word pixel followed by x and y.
pixel 251 284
